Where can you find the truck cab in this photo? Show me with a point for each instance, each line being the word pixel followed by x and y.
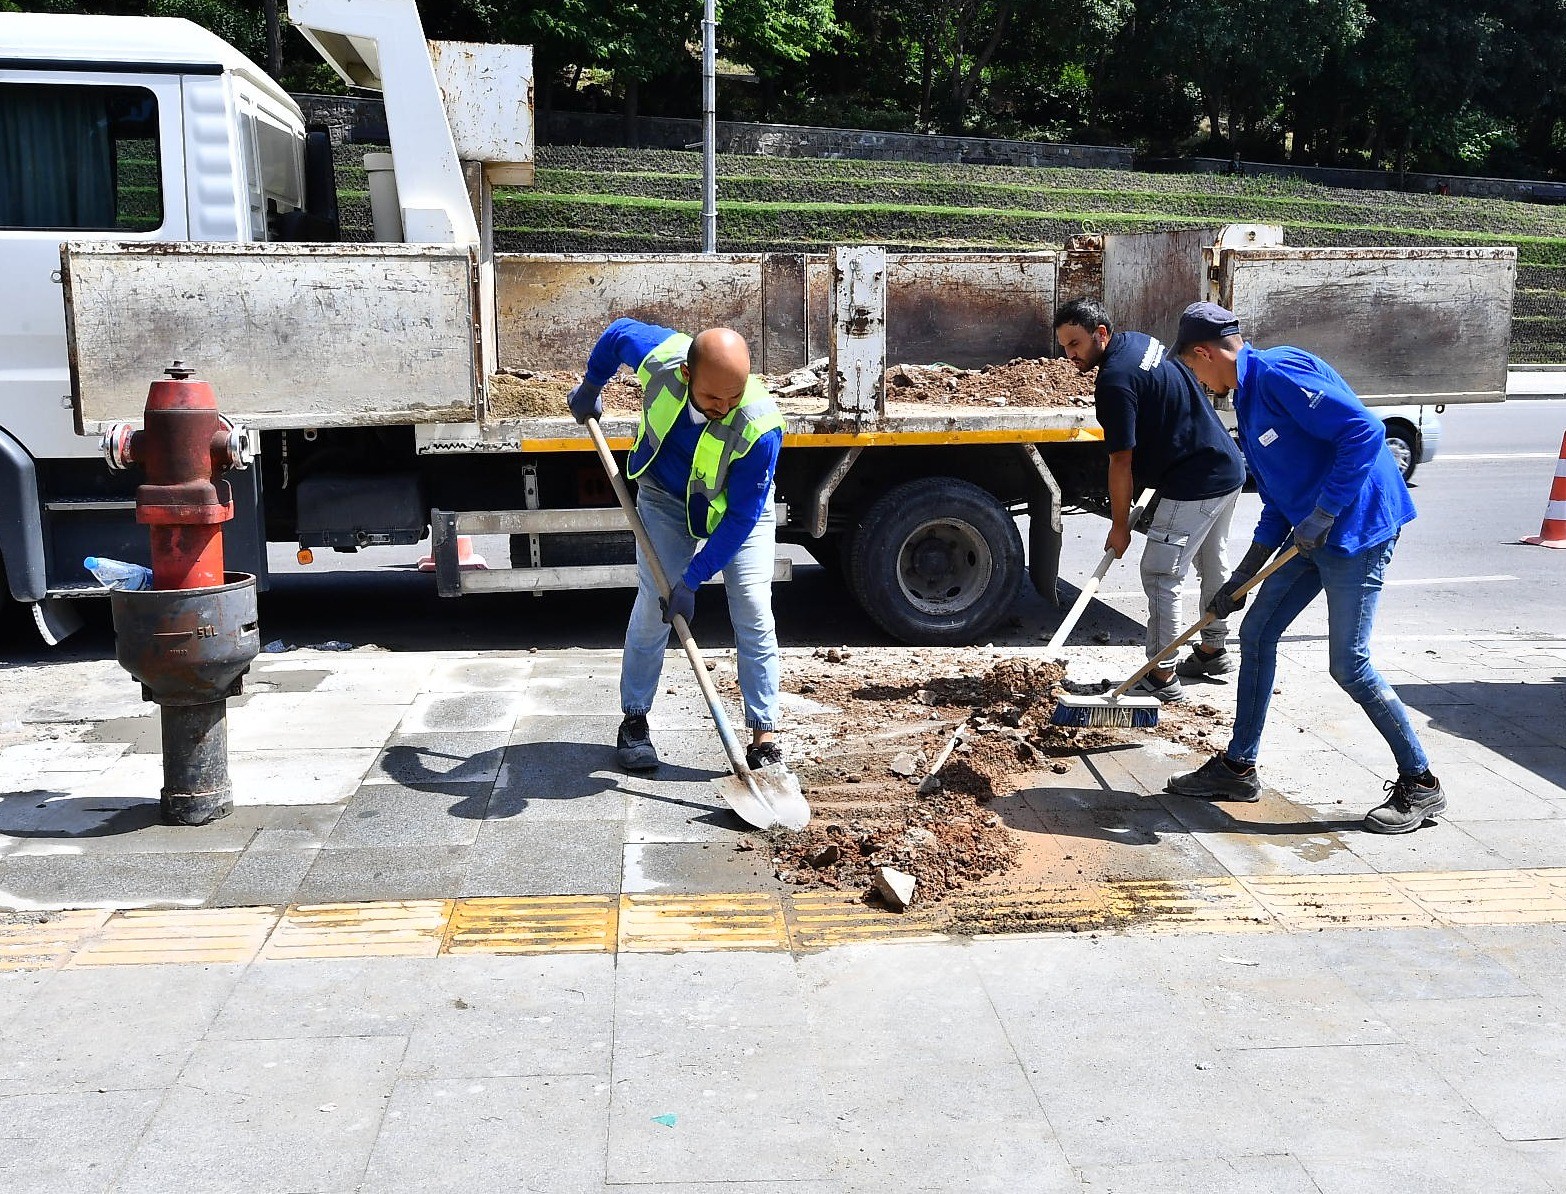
pixel 119 129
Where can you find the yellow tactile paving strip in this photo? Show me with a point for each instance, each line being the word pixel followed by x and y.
pixel 799 922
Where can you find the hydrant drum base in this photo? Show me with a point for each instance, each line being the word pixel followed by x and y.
pixel 187 646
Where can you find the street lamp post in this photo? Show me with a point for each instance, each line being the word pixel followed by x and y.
pixel 709 128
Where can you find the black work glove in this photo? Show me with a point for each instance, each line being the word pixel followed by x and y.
pixel 681 601
pixel 586 401
pixel 1313 531
pixel 1224 601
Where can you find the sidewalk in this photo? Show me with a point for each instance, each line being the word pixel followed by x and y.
pixel 547 976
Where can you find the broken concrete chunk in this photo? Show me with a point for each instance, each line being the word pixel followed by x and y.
pixel 929 785
pixel 904 764
pixel 895 887
pixel 824 857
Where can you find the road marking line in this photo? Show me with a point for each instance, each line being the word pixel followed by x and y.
pixel 1479 456
pixel 1449 580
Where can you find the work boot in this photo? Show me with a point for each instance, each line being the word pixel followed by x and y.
pixel 1218 779
pixel 763 754
pixel 1411 801
pixel 633 744
pixel 1168 691
pixel 1201 662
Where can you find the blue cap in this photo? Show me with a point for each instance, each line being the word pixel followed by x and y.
pixel 1202 322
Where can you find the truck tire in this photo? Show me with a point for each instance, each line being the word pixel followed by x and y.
pixel 936 562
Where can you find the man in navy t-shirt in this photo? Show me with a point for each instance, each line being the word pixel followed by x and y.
pixel 1322 468
pixel 1162 434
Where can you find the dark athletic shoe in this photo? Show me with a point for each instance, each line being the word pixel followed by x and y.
pixel 633 745
pixel 1168 691
pixel 1216 780
pixel 1198 664
pixel 764 754
pixel 1409 805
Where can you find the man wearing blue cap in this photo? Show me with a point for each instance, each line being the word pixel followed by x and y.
pixel 1321 466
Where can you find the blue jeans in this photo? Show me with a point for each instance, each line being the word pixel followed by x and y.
pixel 1353 587
pixel 748 582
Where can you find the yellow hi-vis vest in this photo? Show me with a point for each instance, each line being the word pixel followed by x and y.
pixel 664 397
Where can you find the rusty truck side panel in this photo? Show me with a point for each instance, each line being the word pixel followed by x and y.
pixel 289 335
pixel 1400 325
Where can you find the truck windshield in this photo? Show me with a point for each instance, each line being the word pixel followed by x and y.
pixel 79 157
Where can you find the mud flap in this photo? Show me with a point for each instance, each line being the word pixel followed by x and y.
pixel 1044 529
pixel 57 619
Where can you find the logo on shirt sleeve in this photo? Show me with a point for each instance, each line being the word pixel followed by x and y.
pixel 1312 397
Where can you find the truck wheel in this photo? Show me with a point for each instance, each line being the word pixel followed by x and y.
pixel 936 561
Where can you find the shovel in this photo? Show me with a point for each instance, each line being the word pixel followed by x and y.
pixel 766 798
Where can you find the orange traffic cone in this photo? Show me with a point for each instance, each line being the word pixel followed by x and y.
pixel 1553 532
pixel 466 559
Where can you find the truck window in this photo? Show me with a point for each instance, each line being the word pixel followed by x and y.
pixel 75 157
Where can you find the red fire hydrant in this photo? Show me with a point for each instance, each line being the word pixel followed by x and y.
pixel 190 638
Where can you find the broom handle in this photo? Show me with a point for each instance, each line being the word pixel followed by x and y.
pixel 731 745
pixel 1058 639
pixel 1202 623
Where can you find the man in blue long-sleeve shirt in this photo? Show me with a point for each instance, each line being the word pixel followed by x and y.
pixel 1322 467
pixel 703 459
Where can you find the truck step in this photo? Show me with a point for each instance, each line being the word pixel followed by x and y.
pixel 539 522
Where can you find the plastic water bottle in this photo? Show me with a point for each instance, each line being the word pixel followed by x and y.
pixel 117 574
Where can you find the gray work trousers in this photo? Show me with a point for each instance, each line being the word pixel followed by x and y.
pixel 1182 533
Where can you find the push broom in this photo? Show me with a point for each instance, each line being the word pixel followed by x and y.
pixel 1139 712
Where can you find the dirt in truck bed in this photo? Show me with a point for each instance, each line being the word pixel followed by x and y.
pixel 865 729
pixel 1039 383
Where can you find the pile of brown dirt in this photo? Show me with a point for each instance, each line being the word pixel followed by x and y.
pixel 1044 382
pixel 1041 382
pixel 867 732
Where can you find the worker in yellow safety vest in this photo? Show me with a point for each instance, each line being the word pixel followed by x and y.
pixel 703 460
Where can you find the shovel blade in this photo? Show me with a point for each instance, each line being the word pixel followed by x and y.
pixel 771 800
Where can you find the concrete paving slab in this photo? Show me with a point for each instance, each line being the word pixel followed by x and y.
pixel 348 997
pixel 1271 837
pixel 488 1017
pixel 1505 1057
pixel 828 1186
pixel 663 808
pixel 264 877
pixel 1093 1045
pixel 324 1100
pixel 1444 846
pixel 24 764
pixel 576 857
pixel 713 1039
pixel 392 678
pixel 142 1030
pixel 309 721
pixel 558 780
pixel 1222 1175
pixel 1347 1100
pixel 87 827
pixel 462 712
pixel 1267 991
pixel 1130 843
pixel 287 827
pixel 1523 843
pixel 878 1092
pixel 596 694
pixel 1533 953
pixel 1540 770
pixel 111 880
pixel 393 815
pixel 402 872
pixel 297 777
pixel 537 1134
pixel 1406 964
pixel 1450 1168
pixel 492 671
pixel 44 1151
pixel 418 759
pixel 696 867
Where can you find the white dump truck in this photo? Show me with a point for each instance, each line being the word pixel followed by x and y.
pixel 176 207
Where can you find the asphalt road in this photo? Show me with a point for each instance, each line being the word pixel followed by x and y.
pixel 1459 570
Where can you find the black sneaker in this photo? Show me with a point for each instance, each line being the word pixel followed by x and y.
pixel 1217 780
pixel 763 754
pixel 1199 663
pixel 1409 804
pixel 1168 691
pixel 633 745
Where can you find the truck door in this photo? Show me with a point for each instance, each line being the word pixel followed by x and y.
pixel 94 156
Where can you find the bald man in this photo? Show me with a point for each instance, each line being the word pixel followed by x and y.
pixel 703 459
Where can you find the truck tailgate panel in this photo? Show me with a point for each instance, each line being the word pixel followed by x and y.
pixel 289 335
